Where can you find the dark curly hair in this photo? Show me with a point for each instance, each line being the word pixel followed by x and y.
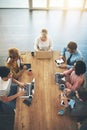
pixel 80 67
pixel 4 71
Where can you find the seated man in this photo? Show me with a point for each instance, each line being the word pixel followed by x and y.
pixel 71 54
pixel 8 90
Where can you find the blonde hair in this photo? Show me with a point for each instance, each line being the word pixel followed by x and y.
pixel 44 32
pixel 13 52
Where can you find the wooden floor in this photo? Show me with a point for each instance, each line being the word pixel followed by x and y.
pixel 19 28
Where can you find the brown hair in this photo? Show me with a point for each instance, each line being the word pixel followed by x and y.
pixel 72 45
pixel 13 52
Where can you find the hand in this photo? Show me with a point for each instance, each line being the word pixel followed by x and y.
pixel 60 57
pixel 63 66
pixel 22 85
pixel 65 100
pixel 21 93
pixel 24 67
pixel 61 81
pixel 62 95
pixel 67 90
pixel 61 75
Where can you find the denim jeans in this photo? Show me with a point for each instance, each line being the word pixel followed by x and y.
pixel 13 90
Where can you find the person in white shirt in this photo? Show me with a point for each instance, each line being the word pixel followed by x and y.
pixel 8 90
pixel 43 42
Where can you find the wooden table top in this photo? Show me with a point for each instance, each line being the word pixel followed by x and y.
pixel 42 113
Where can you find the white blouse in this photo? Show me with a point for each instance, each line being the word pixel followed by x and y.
pixel 40 45
pixel 5 87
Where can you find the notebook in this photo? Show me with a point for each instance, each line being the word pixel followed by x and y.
pixel 29 89
pixel 44 54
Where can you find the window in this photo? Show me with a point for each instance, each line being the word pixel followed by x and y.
pixel 39 3
pixel 59 4
pixel 14 4
pixel 56 3
pixel 75 3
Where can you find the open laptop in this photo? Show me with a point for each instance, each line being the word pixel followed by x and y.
pixel 44 54
pixel 29 89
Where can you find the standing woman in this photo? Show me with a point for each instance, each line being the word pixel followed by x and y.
pixel 43 42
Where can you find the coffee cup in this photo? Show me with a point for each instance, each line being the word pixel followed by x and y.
pixel 32 53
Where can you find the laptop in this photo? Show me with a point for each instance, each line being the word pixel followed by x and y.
pixel 29 89
pixel 44 54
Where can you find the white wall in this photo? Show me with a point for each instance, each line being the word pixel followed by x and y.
pixel 14 4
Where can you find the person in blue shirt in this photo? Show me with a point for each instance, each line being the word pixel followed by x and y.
pixel 70 54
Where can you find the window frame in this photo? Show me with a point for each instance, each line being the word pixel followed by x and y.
pixel 65 7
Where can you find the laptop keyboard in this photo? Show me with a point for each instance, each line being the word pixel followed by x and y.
pixel 28 90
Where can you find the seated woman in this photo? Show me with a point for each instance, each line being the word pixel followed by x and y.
pixel 76 76
pixel 14 62
pixel 71 54
pixel 43 42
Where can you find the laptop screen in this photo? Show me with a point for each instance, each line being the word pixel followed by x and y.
pixel 44 54
pixel 29 89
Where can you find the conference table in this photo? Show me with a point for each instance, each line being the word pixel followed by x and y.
pixel 42 113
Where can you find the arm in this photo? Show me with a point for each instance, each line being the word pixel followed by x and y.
pixel 10 98
pixel 68 72
pixel 36 48
pixel 63 52
pixel 50 44
pixel 75 82
pixel 76 56
pixel 69 66
pixel 72 87
pixel 19 83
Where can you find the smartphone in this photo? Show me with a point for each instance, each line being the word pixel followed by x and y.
pixel 71 102
pixel 26 64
